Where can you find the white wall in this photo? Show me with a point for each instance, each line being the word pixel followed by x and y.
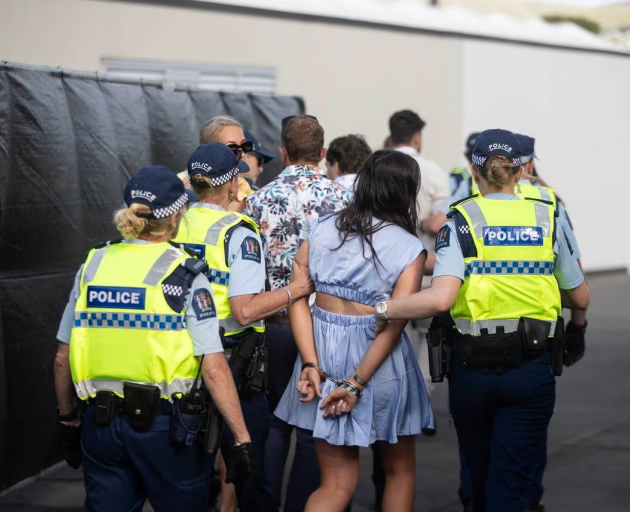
pixel 577 106
pixel 352 78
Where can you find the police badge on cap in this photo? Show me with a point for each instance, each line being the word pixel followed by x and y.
pixel 497 143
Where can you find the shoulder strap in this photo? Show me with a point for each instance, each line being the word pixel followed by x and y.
pixel 464 235
pixel 177 285
pixel 183 247
pixel 549 203
pixel 457 203
pixel 100 245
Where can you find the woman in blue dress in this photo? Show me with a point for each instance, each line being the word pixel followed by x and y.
pixel 369 388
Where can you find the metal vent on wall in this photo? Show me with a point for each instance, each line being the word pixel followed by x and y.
pixel 196 75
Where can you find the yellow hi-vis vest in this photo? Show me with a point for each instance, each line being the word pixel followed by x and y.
pixel 525 190
pixel 124 329
pixel 206 231
pixel 466 175
pixel 511 276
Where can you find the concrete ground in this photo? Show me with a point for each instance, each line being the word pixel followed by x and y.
pixel 589 442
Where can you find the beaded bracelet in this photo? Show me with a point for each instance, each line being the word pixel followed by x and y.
pixel 352 388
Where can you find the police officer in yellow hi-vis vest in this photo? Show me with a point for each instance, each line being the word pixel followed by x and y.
pixel 138 336
pixel 500 264
pixel 230 244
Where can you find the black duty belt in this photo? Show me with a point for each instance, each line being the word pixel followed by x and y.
pixel 165 407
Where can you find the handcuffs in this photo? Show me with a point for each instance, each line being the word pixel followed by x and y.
pixel 347 385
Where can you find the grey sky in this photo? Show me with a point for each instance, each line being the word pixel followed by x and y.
pixel 584 3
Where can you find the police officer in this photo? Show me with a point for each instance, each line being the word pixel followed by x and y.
pixel 576 328
pixel 230 244
pixel 138 335
pixel 501 262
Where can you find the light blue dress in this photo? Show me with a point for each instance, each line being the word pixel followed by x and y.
pixel 395 401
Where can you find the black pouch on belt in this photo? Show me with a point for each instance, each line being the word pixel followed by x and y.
pixel 141 405
pixel 558 345
pixel 534 334
pixel 105 408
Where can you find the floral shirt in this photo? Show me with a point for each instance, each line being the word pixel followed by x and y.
pixel 347 181
pixel 284 210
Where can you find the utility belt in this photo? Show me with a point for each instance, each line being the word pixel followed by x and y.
pixel 495 351
pixel 248 357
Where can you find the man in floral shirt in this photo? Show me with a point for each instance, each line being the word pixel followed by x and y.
pixel 284 210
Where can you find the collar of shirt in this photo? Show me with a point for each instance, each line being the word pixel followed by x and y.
pixel 408 150
pixel 502 196
pixel 138 241
pixel 302 170
pixel 208 206
pixel 346 180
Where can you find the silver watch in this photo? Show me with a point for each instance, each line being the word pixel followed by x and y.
pixel 381 310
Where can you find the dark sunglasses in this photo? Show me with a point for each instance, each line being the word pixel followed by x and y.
pixel 240 149
pixel 288 118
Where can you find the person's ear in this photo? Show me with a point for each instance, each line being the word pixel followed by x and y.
pixel 475 173
pixel 416 141
pixel 322 155
pixel 284 157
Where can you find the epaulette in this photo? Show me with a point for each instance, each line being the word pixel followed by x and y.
pixel 108 243
pixel 544 201
pixel 550 203
pixel 451 212
pixel 183 247
pixel 195 266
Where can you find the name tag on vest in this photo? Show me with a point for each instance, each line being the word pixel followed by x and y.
pixel 115 297
pixel 512 235
pixel 199 249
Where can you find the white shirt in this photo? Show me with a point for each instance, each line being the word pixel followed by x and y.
pixel 434 190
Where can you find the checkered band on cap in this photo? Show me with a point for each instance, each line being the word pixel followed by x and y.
pixel 160 213
pixel 222 180
pixel 479 160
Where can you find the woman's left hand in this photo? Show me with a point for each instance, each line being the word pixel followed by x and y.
pixel 338 402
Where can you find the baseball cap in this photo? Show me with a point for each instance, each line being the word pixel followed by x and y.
pixel 258 149
pixel 160 189
pixel 527 147
pixel 470 142
pixel 497 143
pixel 217 162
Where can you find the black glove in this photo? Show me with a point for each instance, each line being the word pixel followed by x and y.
pixel 574 342
pixel 242 472
pixel 70 442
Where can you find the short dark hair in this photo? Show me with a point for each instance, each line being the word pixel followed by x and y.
pixel 349 152
pixel 303 139
pixel 404 125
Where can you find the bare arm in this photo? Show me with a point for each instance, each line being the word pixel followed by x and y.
pixel 427 303
pixel 63 380
pixel 577 298
pixel 429 265
pixel 409 282
pixel 433 224
pixel 300 317
pixel 220 383
pixel 249 308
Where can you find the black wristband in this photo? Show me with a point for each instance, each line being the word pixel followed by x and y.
pixel 68 417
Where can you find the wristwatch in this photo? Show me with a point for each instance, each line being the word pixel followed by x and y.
pixel 381 310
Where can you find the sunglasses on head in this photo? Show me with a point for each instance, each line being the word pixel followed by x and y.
pixel 288 118
pixel 240 149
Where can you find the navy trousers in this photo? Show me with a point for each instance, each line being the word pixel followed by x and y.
pixel 501 423
pixel 123 468
pixel 304 477
pixel 257 417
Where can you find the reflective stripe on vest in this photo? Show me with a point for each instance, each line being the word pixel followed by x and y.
pixel 90 387
pixel 524 190
pixel 511 275
pixel 474 328
pixel 544 268
pixel 209 227
pixel 115 340
pixel 129 321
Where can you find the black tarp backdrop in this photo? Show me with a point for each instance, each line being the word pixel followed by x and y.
pixel 69 142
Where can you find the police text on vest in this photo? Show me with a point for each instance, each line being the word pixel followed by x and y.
pixel 115 297
pixel 512 235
